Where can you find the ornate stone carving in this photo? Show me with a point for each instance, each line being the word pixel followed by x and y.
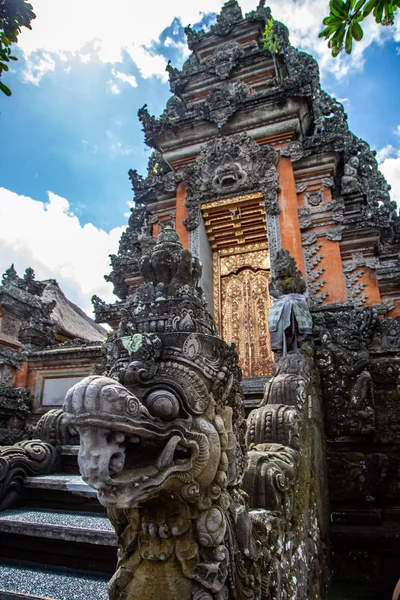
pixel 230 15
pixel 15 408
pixel 288 386
pixel 227 167
pixel 275 434
pixel 16 462
pixel 387 334
pixel 350 183
pixel 164 445
pixel 223 101
pixel 334 234
pixel 356 476
pixel 353 273
pixel 312 258
pixel 305 217
pixel 225 59
pixel 126 261
pixel 354 287
pixel 270 474
pixel 28 315
pixel 289 319
pixel 274 423
pixel 314 197
pixel 51 429
pixel 293 150
pixel 343 360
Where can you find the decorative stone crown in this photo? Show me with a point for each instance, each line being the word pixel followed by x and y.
pixel 170 298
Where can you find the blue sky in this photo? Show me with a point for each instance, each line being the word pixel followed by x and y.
pixel 70 131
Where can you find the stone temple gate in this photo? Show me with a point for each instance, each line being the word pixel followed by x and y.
pixel 251 159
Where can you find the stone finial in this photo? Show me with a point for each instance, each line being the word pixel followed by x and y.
pixel 10 276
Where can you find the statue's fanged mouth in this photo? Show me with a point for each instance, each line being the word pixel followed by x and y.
pixel 142 463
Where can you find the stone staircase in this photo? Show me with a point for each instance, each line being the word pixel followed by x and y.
pixel 58 544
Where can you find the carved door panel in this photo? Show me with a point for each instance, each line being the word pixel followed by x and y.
pixel 245 306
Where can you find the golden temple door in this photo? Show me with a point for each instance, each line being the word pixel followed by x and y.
pixel 236 229
pixel 245 304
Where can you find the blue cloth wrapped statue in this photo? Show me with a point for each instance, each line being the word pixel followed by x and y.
pixel 289 321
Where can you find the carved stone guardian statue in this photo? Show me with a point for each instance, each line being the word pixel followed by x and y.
pixel 290 320
pixel 162 441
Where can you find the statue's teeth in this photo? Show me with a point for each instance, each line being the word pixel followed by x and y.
pixel 166 457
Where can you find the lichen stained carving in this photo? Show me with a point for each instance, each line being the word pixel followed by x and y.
pixel 162 441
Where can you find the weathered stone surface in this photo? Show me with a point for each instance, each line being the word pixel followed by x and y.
pixel 166 362
pixel 15 407
pixel 344 363
pixel 165 447
pixel 51 429
pixel 31 457
pixel 284 439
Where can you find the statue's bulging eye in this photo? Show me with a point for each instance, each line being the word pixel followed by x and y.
pixel 163 404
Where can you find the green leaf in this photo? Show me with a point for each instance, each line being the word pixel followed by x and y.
pixel 348 45
pixel 370 5
pixel 378 13
pixel 356 31
pixel 5 89
pixel 339 7
pixel 359 5
pixel 327 32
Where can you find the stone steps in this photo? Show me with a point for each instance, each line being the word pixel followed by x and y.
pixel 62 528
pixel 61 491
pixel 29 581
pixel 69 459
pixel 64 538
pixel 95 529
pixel 61 481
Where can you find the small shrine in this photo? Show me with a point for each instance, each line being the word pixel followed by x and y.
pixel 47 343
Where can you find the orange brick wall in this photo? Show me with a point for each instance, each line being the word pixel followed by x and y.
pixel 289 218
pixel 181 214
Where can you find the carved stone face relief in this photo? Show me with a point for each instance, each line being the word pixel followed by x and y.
pixel 228 175
pixel 131 449
pixel 228 166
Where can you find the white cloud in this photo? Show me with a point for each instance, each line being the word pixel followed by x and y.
pixel 68 26
pixel 85 58
pixel 129 79
pixel 388 159
pixel 385 152
pixel 390 167
pixel 397 130
pixel 37 66
pixel 49 238
pixel 113 87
